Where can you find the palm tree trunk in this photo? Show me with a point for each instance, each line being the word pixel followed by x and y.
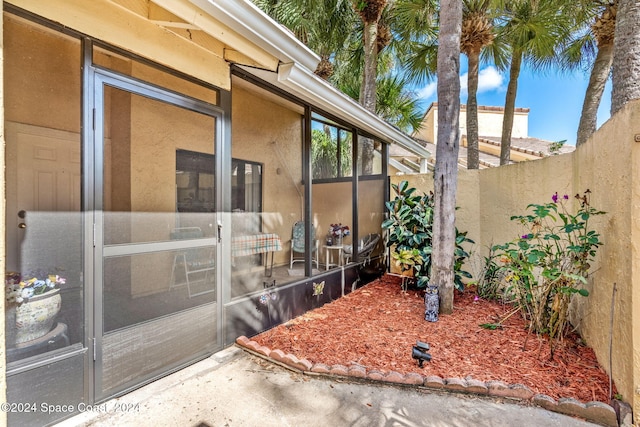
pixel 368 100
pixel 473 156
pixel 368 92
pixel 446 169
pixel 509 108
pixel 597 80
pixel 626 55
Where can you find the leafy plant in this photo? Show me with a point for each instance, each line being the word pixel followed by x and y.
pixel 407 260
pixel 555 147
pixel 460 255
pixel 410 228
pixel 490 278
pixel 324 153
pixel 549 264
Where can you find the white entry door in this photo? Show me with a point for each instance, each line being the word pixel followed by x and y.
pixel 44 169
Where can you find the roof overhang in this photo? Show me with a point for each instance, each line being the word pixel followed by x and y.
pixel 248 20
pixel 401 167
pixel 317 92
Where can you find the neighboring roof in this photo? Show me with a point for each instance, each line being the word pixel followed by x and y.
pixel 532 147
pixel 407 162
pixel 522 149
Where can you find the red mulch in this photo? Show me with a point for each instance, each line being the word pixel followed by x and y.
pixel 377 325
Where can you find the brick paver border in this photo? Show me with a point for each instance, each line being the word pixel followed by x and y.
pixel 594 411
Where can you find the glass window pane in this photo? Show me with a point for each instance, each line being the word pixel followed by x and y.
pixel 158 187
pixel 331 151
pixel 371 213
pixel 369 156
pixel 324 151
pixel 195 190
pixel 148 144
pixel 333 217
pixel 180 279
pixel 346 153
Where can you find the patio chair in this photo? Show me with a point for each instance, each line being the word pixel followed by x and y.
pixel 298 242
pixel 198 264
pixel 365 248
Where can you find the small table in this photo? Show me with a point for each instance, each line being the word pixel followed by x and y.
pixel 263 243
pixel 329 251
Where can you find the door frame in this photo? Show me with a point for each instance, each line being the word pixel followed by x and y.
pixel 97 78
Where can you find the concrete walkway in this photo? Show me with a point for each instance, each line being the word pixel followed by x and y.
pixel 235 388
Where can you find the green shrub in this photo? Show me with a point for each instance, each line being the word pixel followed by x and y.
pixel 410 228
pixel 549 264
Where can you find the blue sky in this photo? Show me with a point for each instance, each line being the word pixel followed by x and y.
pixel 554 99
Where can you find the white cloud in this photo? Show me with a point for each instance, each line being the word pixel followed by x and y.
pixel 428 91
pixel 489 79
pixel 464 88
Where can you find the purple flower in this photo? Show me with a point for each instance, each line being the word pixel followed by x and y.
pixel 566 197
pixel 555 197
pixel 526 236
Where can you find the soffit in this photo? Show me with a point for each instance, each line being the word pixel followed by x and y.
pixel 194 25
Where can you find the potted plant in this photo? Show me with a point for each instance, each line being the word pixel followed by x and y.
pixel 407 260
pixel 35 302
pixel 337 232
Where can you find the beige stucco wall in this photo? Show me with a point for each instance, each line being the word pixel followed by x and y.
pixel 489 124
pixel 31 78
pixel 428 129
pixel 606 166
pixel 371 207
pixel 269 133
pixel 634 294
